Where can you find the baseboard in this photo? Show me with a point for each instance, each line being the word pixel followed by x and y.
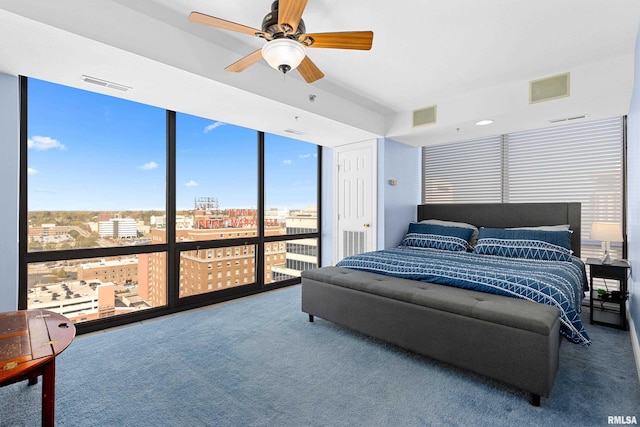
pixel 635 344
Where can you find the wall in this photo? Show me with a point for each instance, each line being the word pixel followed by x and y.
pixel 9 181
pixel 401 163
pixel 396 204
pixel 633 202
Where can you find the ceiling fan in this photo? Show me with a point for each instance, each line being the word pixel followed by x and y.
pixel 284 31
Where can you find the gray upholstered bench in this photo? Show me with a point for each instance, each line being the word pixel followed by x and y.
pixel 506 339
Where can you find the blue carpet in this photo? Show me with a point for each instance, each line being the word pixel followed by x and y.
pixel 259 362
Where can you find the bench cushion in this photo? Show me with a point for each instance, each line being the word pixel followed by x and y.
pixel 512 312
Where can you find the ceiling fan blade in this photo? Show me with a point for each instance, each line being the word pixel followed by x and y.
pixel 244 63
pixel 309 70
pixel 201 18
pixel 289 14
pixel 360 40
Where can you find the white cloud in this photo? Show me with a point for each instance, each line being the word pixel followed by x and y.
pixel 32 171
pixel 212 126
pixel 287 162
pixel 191 183
pixel 42 143
pixel 148 166
pixel 304 156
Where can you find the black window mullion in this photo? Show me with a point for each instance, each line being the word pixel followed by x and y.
pixel 260 221
pixel 624 186
pixel 319 204
pixel 100 252
pixel 173 254
pixel 23 219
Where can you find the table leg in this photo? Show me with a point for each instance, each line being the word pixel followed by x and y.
pixel 591 300
pixel 48 392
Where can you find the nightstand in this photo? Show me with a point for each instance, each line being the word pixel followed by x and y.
pixel 610 309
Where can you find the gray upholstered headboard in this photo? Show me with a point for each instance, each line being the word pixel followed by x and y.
pixel 501 215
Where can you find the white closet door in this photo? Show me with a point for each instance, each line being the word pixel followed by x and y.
pixel 356 199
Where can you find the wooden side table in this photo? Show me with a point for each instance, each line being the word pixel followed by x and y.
pixel 30 340
pixel 608 310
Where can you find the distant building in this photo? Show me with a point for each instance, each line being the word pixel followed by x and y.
pixel 301 254
pixel 118 228
pixel 273 216
pixel 158 220
pixel 105 216
pixel 48 233
pixel 117 271
pixel 182 221
pixel 117 285
pixel 212 269
pixel 80 301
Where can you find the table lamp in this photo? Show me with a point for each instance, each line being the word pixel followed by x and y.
pixel 606 232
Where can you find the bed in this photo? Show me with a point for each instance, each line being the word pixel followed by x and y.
pixel 502 318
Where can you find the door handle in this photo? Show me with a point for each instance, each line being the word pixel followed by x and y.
pixel 367 225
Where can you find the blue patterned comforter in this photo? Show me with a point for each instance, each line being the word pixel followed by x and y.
pixel 560 284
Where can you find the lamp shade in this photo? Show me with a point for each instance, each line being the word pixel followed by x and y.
pixel 283 54
pixel 606 231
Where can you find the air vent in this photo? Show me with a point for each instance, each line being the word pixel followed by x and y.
pixel 425 116
pixel 549 88
pixel 568 119
pixel 295 132
pixel 104 83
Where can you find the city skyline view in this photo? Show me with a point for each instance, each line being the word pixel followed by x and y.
pixel 97 182
pixel 92 152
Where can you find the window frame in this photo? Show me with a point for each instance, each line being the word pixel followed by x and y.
pixel 171 248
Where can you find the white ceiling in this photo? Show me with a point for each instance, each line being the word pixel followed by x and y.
pixel 473 59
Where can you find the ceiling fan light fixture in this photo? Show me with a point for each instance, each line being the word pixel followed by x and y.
pixel 283 54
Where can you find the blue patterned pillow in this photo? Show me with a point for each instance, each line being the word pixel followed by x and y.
pixel 521 243
pixel 437 237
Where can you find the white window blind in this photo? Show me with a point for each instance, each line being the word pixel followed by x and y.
pixel 464 172
pixel 574 163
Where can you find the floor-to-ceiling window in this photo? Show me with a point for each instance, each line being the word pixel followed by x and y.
pixel 130 211
pixel 96 179
pixel 290 208
pixel 216 205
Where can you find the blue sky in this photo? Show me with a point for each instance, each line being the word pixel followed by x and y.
pixel 89 151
